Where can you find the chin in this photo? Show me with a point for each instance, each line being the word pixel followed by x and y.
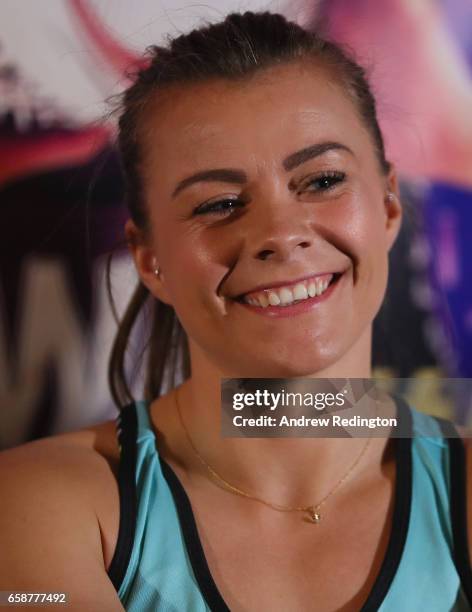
pixel 292 367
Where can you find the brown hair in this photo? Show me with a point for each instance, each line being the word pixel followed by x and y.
pixel 235 48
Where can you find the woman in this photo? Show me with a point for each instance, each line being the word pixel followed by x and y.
pixel 262 211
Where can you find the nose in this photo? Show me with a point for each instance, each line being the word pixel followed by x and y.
pixel 280 237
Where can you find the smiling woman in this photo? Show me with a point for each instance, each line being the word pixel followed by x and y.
pixel 262 212
pixel 294 121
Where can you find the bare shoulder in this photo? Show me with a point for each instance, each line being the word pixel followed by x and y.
pixel 100 438
pixel 60 515
pixel 87 458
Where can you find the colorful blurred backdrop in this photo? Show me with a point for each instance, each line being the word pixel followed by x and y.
pixel 61 191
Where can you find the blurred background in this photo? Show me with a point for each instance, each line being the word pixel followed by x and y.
pixel 61 192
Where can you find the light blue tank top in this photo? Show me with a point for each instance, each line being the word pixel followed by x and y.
pixel 159 563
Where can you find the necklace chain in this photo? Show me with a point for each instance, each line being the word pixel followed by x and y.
pixel 312 510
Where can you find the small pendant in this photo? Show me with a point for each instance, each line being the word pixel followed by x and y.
pixel 315 517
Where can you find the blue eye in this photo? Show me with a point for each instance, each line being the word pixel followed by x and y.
pixel 224 208
pixel 326 180
pixel 220 207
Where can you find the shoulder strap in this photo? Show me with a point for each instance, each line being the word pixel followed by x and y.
pixel 458 501
pixel 127 432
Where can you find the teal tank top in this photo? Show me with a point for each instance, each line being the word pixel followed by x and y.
pixel 159 563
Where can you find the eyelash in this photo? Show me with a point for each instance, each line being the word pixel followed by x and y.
pixel 212 208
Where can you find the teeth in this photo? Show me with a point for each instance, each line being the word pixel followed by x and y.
pixel 263 300
pixel 300 292
pixel 287 295
pixel 312 289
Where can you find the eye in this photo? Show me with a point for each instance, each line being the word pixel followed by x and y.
pixel 220 207
pixel 326 181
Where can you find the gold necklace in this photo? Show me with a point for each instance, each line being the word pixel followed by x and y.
pixel 312 510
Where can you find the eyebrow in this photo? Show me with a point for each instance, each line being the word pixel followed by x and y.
pixel 233 175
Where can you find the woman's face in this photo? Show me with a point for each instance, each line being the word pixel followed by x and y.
pixel 258 185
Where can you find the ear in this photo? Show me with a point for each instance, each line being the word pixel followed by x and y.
pixel 393 207
pixel 146 262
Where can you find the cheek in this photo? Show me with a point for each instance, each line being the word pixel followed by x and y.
pixel 358 222
pixel 191 260
pixel 361 220
pixel 369 237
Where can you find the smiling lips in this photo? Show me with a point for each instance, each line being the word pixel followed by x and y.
pixel 286 295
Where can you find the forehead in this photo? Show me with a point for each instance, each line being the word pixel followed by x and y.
pixel 258 120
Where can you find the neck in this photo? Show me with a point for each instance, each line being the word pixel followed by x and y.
pixel 271 468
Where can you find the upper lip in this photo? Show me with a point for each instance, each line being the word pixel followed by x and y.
pixel 286 282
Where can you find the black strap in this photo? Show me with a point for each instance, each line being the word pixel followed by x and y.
pixel 401 509
pixel 458 505
pixel 127 432
pixel 193 543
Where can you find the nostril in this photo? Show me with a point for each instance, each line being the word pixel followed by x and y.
pixel 264 254
pixel 304 244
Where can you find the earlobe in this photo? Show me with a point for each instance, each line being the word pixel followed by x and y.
pixel 157 270
pixel 393 208
pixel 145 262
pixel 151 274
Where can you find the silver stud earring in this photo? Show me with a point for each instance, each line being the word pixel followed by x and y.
pixel 157 269
pixel 390 196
